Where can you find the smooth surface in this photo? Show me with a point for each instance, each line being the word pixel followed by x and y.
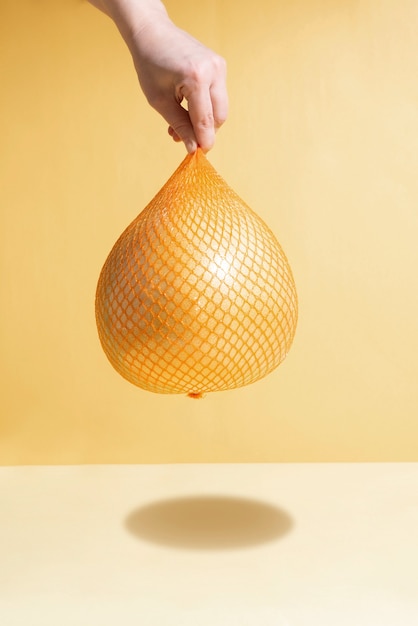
pixel 321 141
pixel 231 545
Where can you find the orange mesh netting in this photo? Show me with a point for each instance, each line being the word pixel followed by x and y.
pixel 196 294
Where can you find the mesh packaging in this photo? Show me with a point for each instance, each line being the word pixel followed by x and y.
pixel 197 294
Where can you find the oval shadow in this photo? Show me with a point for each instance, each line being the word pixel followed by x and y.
pixel 209 522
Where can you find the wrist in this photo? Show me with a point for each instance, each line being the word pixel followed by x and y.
pixel 131 16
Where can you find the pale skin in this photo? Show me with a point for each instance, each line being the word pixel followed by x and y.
pixel 173 68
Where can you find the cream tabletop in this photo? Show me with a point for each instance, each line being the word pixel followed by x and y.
pixel 218 545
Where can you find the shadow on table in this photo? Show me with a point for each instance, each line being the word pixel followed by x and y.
pixel 209 522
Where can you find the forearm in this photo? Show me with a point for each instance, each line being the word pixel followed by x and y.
pixel 131 16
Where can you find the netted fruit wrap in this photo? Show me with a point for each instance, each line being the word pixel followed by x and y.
pixel 196 294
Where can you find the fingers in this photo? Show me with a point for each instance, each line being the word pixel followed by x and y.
pixel 207 104
pixel 173 134
pixel 207 111
pixel 180 126
pixel 202 116
pixel 205 91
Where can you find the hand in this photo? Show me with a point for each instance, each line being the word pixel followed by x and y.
pixel 173 69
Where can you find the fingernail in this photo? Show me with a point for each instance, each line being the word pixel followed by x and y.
pixel 191 145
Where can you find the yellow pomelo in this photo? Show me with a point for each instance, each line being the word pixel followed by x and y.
pixel 196 295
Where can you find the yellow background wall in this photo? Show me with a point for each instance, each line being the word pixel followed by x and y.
pixel 322 141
